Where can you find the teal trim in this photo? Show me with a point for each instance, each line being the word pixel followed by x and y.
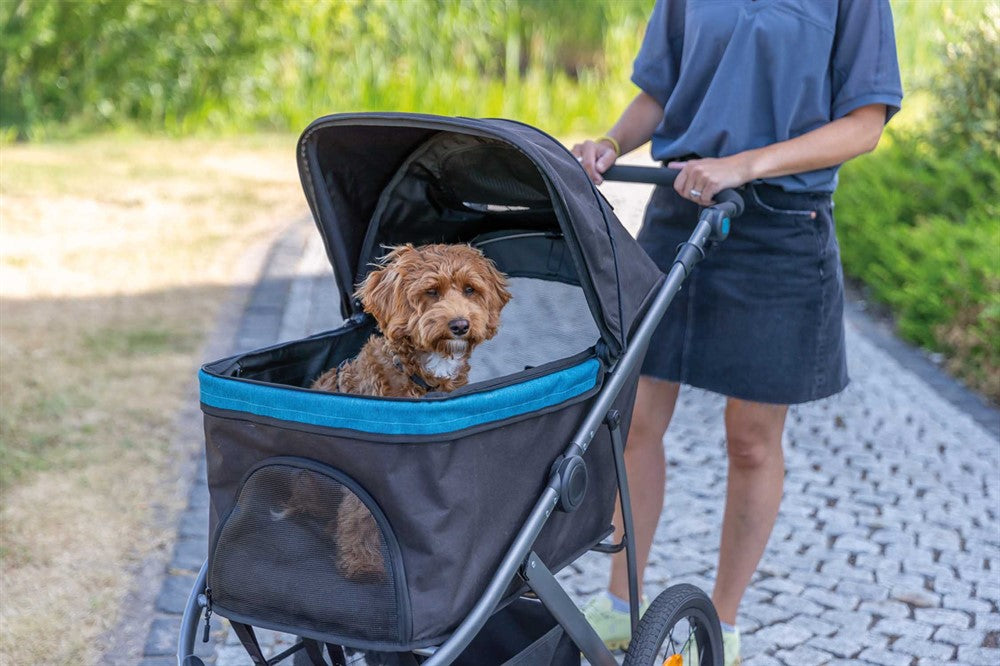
pixel 398 417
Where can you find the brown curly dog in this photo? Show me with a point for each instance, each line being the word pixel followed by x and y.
pixel 433 304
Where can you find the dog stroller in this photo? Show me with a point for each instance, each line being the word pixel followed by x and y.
pixel 479 495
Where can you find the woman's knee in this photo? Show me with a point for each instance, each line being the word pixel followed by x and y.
pixel 753 433
pixel 748 452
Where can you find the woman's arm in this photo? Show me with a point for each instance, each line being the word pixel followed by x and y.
pixel 834 143
pixel 634 128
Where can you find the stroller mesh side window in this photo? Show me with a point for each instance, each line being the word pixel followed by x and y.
pixel 302 549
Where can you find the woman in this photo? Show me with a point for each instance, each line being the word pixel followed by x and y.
pixel 769 96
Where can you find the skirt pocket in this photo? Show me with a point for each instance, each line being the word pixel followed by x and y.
pixel 305 549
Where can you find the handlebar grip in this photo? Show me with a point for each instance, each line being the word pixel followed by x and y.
pixel 661 176
pixel 730 197
pixel 641 174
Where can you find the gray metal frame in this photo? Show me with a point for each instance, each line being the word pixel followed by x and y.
pixel 713 223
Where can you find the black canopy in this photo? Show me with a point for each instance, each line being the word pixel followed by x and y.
pixel 375 179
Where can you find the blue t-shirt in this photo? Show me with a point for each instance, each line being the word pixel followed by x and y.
pixel 734 75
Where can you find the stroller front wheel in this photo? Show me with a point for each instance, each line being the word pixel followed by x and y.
pixel 679 627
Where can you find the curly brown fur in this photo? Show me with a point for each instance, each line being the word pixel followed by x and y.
pixel 433 305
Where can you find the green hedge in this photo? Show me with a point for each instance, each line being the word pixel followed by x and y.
pixel 919 220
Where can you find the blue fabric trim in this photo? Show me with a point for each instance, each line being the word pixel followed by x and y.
pixel 402 417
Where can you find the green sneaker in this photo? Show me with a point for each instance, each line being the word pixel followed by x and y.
pixel 614 627
pixel 731 647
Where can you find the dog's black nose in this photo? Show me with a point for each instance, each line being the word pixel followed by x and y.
pixel 459 326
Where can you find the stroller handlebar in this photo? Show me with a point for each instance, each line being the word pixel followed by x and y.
pixel 728 201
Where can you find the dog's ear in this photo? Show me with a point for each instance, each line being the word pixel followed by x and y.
pixel 374 294
pixel 497 295
pixel 381 293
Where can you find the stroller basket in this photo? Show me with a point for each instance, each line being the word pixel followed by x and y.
pixel 445 503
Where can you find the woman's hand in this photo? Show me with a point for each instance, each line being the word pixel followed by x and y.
pixel 596 157
pixel 700 180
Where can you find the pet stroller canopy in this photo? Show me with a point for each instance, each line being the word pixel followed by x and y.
pixel 377 179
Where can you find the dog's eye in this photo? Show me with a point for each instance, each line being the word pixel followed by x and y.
pixel 432 293
pixel 469 291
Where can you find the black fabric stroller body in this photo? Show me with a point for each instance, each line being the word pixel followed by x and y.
pixel 477 495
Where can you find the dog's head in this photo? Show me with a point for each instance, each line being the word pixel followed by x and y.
pixel 441 298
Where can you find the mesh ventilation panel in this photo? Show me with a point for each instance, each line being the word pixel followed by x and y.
pixel 301 549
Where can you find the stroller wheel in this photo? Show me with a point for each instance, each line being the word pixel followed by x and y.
pixel 680 628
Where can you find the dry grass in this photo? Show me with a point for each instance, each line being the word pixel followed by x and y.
pixel 115 255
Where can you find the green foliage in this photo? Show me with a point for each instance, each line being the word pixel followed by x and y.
pixel 968 110
pixel 922 26
pixel 918 220
pixel 104 62
pixel 184 65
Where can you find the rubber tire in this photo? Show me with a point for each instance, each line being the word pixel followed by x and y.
pixel 671 606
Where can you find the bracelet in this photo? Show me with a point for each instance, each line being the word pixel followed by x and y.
pixel 614 144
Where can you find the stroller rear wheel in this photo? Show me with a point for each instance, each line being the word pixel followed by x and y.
pixel 680 628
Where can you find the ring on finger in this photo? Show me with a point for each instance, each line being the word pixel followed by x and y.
pixel 695 193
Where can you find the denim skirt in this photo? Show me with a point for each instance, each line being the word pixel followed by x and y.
pixel 761 318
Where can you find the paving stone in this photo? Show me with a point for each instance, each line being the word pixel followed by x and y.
pixel 885 657
pixel 856 544
pixel 797 605
pixel 925 649
pixel 766 614
pixel 938 616
pixel 816 626
pixel 785 634
pixel 834 645
pixel 190 553
pixel 830 599
pixel 953 636
pixel 162 639
pixel 918 597
pixel 954 586
pixel 869 591
pixel 988 621
pixel 232 655
pixel 174 594
pixel 908 629
pixel 886 608
pixel 763 660
pixel 963 603
pixel 803 656
pixel 193 524
pixel 847 572
pixel 979 656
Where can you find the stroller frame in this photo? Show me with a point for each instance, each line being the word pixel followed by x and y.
pixel 567 482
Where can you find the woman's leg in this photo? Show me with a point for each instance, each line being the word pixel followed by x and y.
pixel 753 494
pixel 645 464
